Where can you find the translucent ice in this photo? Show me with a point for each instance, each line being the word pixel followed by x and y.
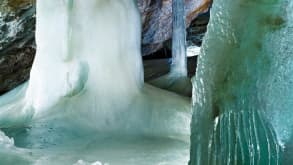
pixel 242 98
pixel 176 80
pixel 6 142
pixel 86 91
pixel 9 154
pixel 81 162
pixel 193 51
pixel 179 57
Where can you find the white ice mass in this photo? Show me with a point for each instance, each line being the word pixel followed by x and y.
pixel 86 98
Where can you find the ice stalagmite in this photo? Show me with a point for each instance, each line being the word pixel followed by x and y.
pixel 179 57
pixel 242 101
pixel 87 83
pixel 176 80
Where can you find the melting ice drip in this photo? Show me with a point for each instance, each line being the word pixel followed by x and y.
pixel 242 98
pixel 87 77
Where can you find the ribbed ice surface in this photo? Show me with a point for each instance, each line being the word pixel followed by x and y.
pixel 242 100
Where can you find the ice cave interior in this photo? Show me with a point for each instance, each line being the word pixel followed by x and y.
pixel 146 82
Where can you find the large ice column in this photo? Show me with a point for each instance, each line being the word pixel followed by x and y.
pixel 242 100
pixel 176 80
pixel 79 49
pixel 88 73
pixel 86 93
pixel 179 59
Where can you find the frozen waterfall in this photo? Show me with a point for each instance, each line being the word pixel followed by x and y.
pixel 243 97
pixel 177 79
pixel 179 56
pixel 86 98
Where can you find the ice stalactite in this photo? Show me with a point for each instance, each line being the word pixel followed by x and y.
pixel 242 104
pixel 86 84
pixel 176 80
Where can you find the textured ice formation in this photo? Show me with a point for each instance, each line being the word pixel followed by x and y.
pixel 6 142
pixel 85 66
pixel 86 86
pixel 9 154
pixel 242 102
pixel 177 79
pixel 193 51
pixel 81 162
pixel 179 59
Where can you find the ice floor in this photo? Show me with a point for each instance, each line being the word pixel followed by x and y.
pixel 107 149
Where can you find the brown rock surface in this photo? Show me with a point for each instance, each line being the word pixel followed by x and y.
pixel 17 46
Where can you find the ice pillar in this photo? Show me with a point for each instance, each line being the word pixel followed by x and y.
pixel 179 60
pixel 88 73
pixel 242 104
